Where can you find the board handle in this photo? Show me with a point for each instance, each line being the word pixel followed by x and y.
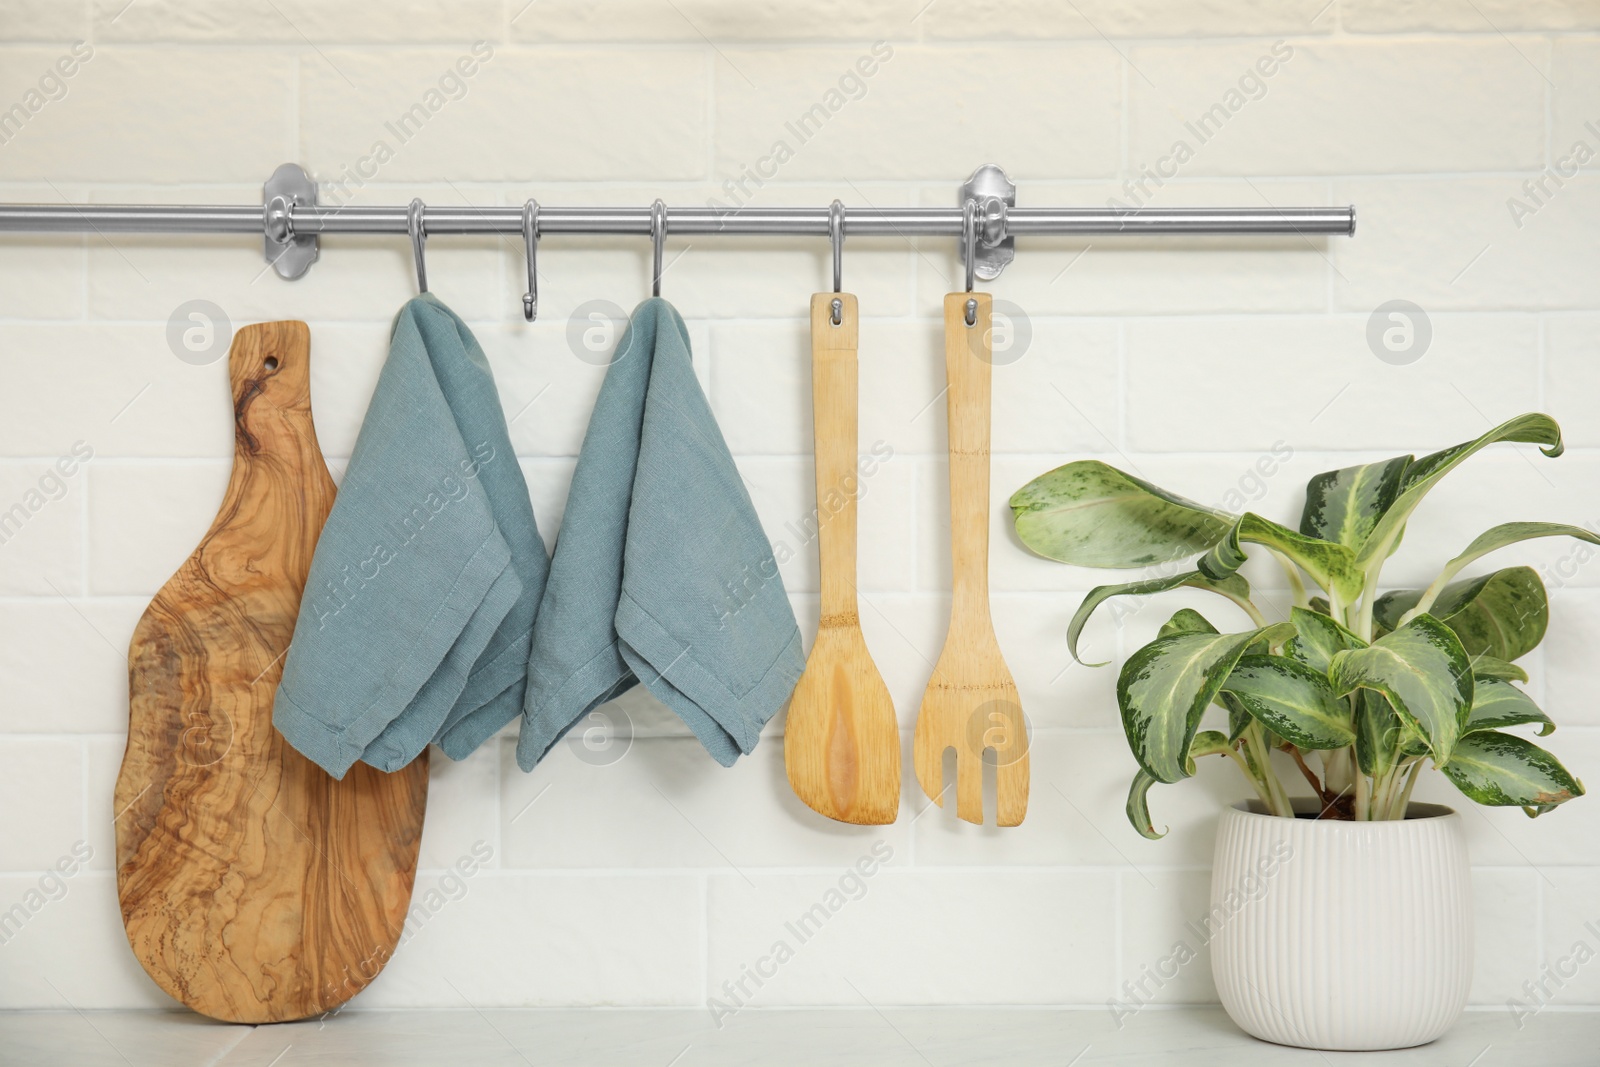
pixel 269 367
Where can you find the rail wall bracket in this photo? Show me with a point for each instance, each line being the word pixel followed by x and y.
pixel 994 193
pixel 289 253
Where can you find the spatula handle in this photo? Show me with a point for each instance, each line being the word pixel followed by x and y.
pixel 834 398
pixel 968 363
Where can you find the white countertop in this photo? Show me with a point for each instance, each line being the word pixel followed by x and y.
pixel 913 1037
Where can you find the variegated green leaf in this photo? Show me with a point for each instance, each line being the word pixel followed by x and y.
pixel 1425 674
pixel 1091 514
pixel 1234 587
pixel 1165 687
pixel 1493 667
pixel 1503 614
pixel 1186 621
pixel 1208 743
pixel 1502 770
pixel 1316 638
pixel 1239 717
pixel 1496 704
pixel 1138 807
pixel 1205 743
pixel 1422 475
pixel 1510 533
pixel 1344 505
pixel 1378 732
pixel 1332 566
pixel 1293 700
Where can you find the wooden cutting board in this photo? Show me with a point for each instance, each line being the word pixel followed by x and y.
pixel 254 887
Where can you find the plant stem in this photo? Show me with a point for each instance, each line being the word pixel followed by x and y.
pixel 1430 594
pixel 1363 806
pixel 1369 597
pixel 1338 770
pixel 1403 801
pixel 1381 787
pixel 1310 775
pixel 1244 768
pixel 1259 753
pixel 1251 610
pixel 1296 586
pixel 1384 786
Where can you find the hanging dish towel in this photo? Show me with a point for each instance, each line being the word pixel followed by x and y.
pixel 661 573
pixel 417 618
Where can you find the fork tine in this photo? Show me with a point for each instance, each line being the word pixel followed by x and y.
pixel 1011 792
pixel 969 786
pixel 930 772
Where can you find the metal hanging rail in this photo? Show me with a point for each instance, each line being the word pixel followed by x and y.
pixel 750 221
pixel 291 221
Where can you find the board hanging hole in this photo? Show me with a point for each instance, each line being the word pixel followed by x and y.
pixel 271 363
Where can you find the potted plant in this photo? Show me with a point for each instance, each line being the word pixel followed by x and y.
pixel 1341 920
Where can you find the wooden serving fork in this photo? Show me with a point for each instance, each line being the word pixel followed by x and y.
pixel 971 703
pixel 841 743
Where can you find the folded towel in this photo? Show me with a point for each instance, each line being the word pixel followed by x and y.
pixel 661 572
pixel 417 618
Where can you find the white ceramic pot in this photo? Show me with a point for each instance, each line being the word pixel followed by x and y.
pixel 1341 935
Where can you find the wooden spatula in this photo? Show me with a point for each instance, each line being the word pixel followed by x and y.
pixel 971 703
pixel 254 887
pixel 841 744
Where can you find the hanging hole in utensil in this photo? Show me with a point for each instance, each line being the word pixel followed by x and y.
pixel 838 312
pixel 271 363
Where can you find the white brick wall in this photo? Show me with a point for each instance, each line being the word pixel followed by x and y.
pixel 655 879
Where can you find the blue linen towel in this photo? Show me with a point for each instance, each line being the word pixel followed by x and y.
pixel 661 572
pixel 417 618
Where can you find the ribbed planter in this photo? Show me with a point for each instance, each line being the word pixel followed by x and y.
pixel 1341 935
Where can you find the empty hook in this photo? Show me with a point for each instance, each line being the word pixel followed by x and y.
pixel 836 240
pixel 530 240
pixel 658 240
pixel 418 230
pixel 969 235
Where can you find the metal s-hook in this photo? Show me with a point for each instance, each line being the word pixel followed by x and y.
pixel 658 240
pixel 530 241
pixel 418 230
pixel 969 232
pixel 836 240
